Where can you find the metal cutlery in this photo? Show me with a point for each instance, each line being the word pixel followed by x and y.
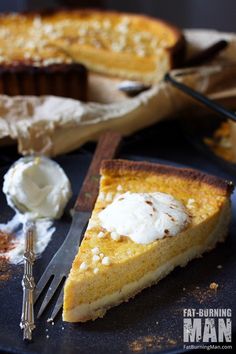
pixel 216 107
pixel 59 267
pixel 28 285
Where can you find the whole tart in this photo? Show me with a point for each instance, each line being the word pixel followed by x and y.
pixel 123 45
pixel 93 287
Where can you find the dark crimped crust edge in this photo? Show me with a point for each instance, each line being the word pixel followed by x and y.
pixel 187 173
pixel 30 65
pixel 177 52
pixel 26 74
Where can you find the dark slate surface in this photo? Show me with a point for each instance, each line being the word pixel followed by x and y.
pixel 153 321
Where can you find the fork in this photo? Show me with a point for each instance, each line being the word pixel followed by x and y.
pixel 59 267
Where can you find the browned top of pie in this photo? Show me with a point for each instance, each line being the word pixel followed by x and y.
pixel 138 169
pixel 37 37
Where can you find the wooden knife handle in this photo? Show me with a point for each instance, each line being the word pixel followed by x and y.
pixel 205 55
pixel 106 149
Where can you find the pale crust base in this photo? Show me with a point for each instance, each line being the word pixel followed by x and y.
pixel 98 308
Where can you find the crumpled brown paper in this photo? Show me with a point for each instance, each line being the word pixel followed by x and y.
pixel 55 125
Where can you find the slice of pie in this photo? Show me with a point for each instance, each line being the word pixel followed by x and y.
pixel 172 214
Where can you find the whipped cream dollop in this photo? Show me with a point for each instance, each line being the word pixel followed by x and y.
pixel 39 188
pixel 144 217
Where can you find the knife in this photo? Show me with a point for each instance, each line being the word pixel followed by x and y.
pixel 60 264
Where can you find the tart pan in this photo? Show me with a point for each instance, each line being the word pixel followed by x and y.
pixel 65 80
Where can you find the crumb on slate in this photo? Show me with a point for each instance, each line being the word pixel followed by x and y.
pixel 213 286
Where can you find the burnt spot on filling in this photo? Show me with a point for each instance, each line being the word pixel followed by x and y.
pixel 171 217
pixel 172 206
pixel 151 204
pixel 166 232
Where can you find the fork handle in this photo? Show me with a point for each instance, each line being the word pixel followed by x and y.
pixel 28 285
pixel 106 149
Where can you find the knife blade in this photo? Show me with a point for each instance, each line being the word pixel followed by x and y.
pixel 60 265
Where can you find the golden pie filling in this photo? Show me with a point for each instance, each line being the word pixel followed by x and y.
pixel 110 268
pixel 223 141
pixel 129 46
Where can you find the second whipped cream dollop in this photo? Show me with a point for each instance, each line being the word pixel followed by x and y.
pixel 39 188
pixel 144 217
